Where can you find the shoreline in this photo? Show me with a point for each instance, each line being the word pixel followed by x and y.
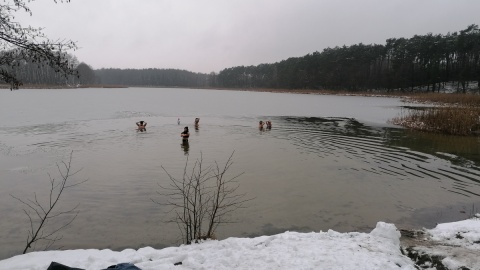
pixel 312 92
pixel 450 246
pixel 264 90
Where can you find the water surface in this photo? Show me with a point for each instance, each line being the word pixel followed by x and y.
pixel 329 162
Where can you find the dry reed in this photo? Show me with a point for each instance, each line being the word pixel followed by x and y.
pixel 445 120
pixel 456 114
pixel 462 100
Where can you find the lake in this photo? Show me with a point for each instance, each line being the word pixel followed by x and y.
pixel 329 162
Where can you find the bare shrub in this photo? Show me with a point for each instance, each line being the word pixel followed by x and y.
pixel 202 199
pixel 41 215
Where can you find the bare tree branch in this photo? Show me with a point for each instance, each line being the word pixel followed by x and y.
pixel 45 213
pixel 202 199
pixel 19 44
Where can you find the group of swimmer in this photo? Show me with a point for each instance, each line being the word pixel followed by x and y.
pixel 142 126
pixel 261 124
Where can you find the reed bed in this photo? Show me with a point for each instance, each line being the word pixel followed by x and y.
pixel 446 120
pixel 461 100
pixel 454 114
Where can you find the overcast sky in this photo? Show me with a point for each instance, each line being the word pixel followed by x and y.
pixel 210 35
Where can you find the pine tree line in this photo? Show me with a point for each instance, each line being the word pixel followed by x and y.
pixel 422 62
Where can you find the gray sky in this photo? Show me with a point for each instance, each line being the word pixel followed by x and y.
pixel 210 35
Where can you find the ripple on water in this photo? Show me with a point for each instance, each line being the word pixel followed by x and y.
pixel 312 173
pixel 347 138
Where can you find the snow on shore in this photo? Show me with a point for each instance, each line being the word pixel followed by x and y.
pixel 457 244
pixel 379 249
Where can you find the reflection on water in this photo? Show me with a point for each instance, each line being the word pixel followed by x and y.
pixel 459 150
pixel 185 146
pixel 307 173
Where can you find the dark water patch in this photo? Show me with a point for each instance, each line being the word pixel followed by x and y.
pixel 378 149
pixel 462 151
pixel 469 192
pixel 461 175
pixel 420 171
pixel 429 217
pixel 435 172
pixel 467 171
pixel 270 229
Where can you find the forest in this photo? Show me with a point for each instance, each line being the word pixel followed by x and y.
pixel 421 63
pixel 152 77
pixel 34 73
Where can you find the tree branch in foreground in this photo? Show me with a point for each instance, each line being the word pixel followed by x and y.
pixel 202 199
pixel 40 214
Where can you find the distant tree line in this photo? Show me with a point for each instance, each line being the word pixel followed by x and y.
pixel 423 62
pixel 152 77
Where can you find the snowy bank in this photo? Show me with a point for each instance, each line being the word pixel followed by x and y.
pixel 290 250
pixel 454 245
pixel 379 249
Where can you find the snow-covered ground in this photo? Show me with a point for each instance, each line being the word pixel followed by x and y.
pixel 457 243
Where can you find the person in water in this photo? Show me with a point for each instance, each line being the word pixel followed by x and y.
pixel 141 126
pixel 197 120
pixel 185 134
pixel 269 124
pixel 260 124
